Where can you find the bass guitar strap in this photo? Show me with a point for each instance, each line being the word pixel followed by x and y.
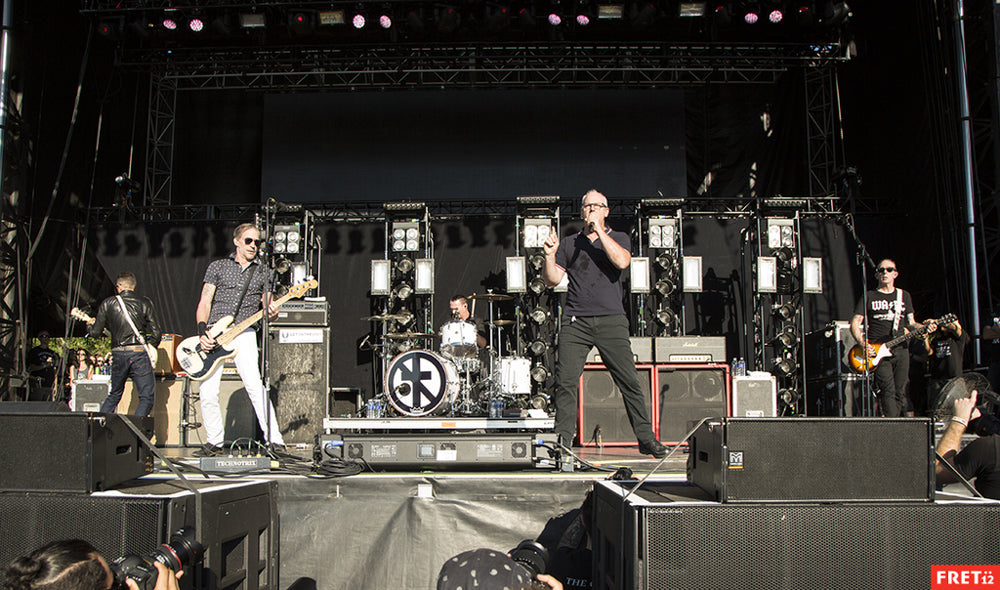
pixel 128 318
pixel 898 312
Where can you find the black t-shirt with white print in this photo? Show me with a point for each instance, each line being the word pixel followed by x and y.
pixel 882 312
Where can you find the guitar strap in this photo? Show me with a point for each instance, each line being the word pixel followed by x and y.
pixel 142 341
pixel 898 312
pixel 246 285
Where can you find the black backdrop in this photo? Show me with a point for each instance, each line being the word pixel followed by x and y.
pixel 170 260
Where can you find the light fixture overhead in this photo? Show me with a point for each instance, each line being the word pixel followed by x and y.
pixel 639 275
pixel 662 232
pixel 405 237
pixel 780 233
pixel 538 347
pixel 812 275
pixel 404 265
pixel 691 9
pixel 610 11
pixel 331 17
pixel 402 291
pixel 252 21
pixel 536 231
pixel 539 373
pixel 537 285
pixel 380 284
pixel 539 315
pixel 767 274
pixel 196 24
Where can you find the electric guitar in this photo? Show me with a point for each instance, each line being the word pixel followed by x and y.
pixel 863 363
pixel 149 348
pixel 199 363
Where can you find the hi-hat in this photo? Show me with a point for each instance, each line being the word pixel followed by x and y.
pixel 490 297
pixel 502 322
pixel 409 335
pixel 385 317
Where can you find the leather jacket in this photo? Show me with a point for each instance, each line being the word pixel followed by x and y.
pixel 109 315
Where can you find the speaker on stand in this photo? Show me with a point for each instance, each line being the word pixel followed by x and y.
pixel 299 375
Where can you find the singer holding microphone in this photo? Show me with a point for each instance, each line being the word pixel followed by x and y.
pixel 594 260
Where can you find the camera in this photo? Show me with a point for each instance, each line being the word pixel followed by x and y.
pixel 181 551
pixel 533 557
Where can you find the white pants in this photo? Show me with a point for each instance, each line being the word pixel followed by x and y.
pixel 246 365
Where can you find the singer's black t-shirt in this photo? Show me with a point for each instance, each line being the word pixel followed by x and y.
pixel 881 314
pixel 595 284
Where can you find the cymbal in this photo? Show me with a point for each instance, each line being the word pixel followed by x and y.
pixel 409 335
pixel 490 297
pixel 502 322
pixel 385 317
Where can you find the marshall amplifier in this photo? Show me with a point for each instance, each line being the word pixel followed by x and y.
pixel 690 349
pixel 642 351
pixel 303 313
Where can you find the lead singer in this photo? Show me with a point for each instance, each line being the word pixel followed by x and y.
pixel 594 260
pixel 239 286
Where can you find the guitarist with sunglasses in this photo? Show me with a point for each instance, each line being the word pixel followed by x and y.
pixel 889 314
pixel 237 286
pixel 127 316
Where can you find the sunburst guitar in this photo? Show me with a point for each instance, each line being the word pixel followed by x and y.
pixel 863 363
pixel 199 363
pixel 83 317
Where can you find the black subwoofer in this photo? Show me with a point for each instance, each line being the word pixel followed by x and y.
pixel 814 459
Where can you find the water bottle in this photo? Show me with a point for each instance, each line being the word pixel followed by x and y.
pixel 370 408
pixel 734 367
pixel 742 369
pixel 496 409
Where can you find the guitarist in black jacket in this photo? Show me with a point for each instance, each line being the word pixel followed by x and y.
pixel 128 354
pixel 888 315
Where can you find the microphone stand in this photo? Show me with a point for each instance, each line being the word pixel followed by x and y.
pixel 265 338
pixel 863 258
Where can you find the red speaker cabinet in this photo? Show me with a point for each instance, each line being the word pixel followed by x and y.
pixel 600 406
pixel 686 393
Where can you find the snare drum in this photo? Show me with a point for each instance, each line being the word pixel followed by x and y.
pixel 421 383
pixel 458 340
pixel 515 375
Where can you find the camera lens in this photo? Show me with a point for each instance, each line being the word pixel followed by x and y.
pixel 532 555
pixel 182 550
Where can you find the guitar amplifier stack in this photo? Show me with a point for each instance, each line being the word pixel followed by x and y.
pixel 833 388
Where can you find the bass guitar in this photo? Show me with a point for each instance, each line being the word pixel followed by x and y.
pixel 83 317
pixel 863 363
pixel 199 363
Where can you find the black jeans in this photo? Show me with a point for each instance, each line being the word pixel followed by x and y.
pixel 891 376
pixel 125 364
pixel 610 335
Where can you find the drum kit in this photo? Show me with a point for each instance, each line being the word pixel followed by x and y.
pixel 460 379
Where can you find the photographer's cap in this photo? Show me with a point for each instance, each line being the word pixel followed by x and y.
pixel 482 568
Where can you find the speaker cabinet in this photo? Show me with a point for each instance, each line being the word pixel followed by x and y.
pixel 88 395
pixel 300 380
pixel 755 397
pixel 238 526
pixel 71 451
pixel 167 412
pixel 686 394
pixel 660 537
pixel 600 406
pixel 835 396
pixel 166 355
pixel 814 459
pixel 239 420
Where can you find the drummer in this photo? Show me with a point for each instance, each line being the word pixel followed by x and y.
pixel 459 306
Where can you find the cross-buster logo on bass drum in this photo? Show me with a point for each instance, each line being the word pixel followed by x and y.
pixel 416 385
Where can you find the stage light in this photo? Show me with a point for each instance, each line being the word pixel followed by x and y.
pixel 539 315
pixel 252 21
pixel 785 256
pixel 536 231
pixel 537 261
pixel 789 395
pixel 279 247
pixel 385 21
pixel 767 274
pixel 665 286
pixel 287 238
pixel 692 274
pixel 380 277
pixel 497 18
pixel 282 265
pixel 424 278
pixel 402 291
pixel 722 16
pixel 516 275
pixel 662 232
pixel 196 24
pixel 691 9
pixel 788 337
pixel 539 374
pixel 832 14
pixel 331 17
pixel 405 237
pixel 639 275
pixel 527 19
pixel 780 233
pixel 610 11
pixel 301 22
pixel 554 19
pixel 667 318
pixel 667 262
pixel 169 23
pixel 447 20
pixel 785 366
pixel 538 347
pixel 750 17
pixel 358 20
pixel 404 265
pixel 537 286
pixel 775 16
pixel 110 27
pixel 805 16
pixel 785 311
pixel 812 275
pixel 583 20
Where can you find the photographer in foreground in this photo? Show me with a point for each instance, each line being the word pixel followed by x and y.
pixel 980 459
pixel 74 564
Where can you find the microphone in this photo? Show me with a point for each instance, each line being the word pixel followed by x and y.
pixel 592 226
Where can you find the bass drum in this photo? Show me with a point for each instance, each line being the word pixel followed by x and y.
pixel 421 383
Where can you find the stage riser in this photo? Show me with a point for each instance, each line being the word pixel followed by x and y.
pixel 239 527
pixel 710 546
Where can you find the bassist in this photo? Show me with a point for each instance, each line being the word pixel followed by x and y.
pixel 238 285
pixel 128 351
pixel 888 315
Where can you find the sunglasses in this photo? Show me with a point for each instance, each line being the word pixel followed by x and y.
pixel 249 241
pixel 886 269
pixel 595 206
